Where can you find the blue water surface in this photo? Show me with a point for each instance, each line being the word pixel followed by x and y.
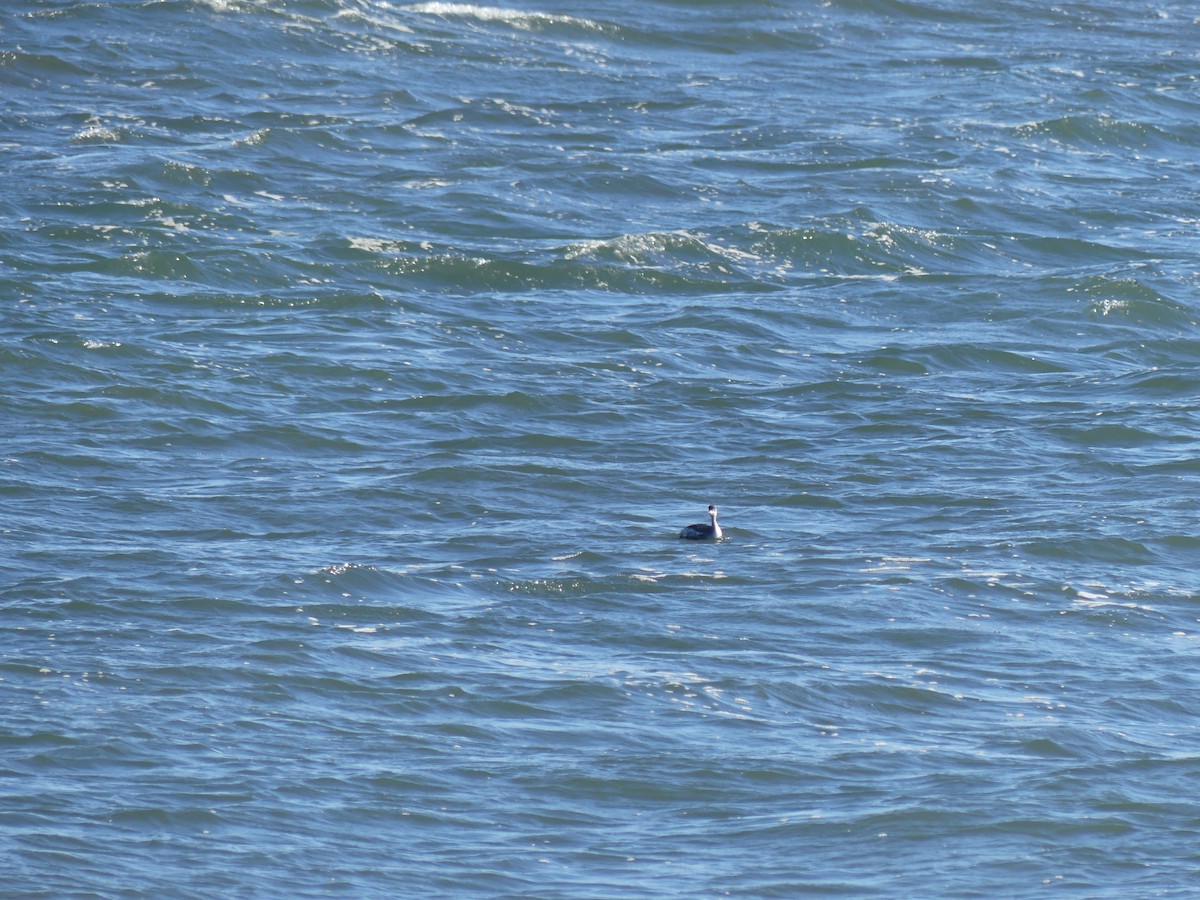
pixel 364 359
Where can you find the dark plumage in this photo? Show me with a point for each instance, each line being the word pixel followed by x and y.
pixel 704 531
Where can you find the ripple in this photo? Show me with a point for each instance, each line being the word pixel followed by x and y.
pixel 355 401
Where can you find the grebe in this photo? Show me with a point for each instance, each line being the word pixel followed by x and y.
pixel 703 532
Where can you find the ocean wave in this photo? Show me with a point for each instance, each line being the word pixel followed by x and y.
pixel 1128 299
pixel 750 258
pixel 1099 131
pixel 516 18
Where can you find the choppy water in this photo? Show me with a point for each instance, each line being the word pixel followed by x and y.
pixel 363 359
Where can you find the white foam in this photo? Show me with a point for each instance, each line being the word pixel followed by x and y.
pixel 515 17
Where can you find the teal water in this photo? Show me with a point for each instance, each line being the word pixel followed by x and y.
pixel 364 359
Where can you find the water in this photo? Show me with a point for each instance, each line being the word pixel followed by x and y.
pixel 363 360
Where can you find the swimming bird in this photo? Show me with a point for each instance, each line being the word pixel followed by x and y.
pixel 704 532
